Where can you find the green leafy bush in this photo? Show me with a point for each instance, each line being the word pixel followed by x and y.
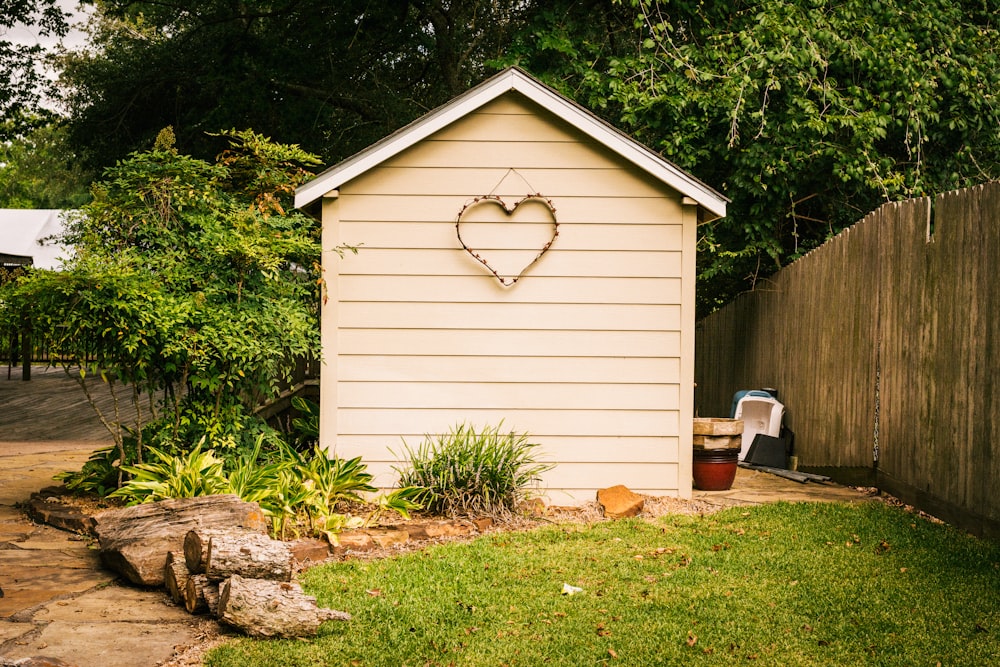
pixel 469 471
pixel 296 491
pixel 195 473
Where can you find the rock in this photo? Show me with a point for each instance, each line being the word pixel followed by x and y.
pixel 38 661
pixel 45 508
pixel 355 541
pixel 618 502
pixel 310 549
pixel 425 530
pixel 483 524
pixel 387 537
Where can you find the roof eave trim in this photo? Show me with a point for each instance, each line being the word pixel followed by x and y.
pixel 474 98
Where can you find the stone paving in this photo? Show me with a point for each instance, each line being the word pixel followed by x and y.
pixel 753 487
pixel 57 601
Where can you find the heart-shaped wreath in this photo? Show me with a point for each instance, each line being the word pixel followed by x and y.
pixel 496 200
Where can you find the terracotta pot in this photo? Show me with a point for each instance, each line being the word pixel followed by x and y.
pixel 714 469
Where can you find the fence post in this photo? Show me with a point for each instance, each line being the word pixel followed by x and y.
pixel 26 353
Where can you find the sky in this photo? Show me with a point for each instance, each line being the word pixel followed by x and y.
pixel 76 38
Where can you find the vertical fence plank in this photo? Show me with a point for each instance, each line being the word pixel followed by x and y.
pixel 891 314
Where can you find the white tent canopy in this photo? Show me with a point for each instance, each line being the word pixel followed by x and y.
pixel 21 230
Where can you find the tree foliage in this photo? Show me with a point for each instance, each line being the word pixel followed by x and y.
pixel 22 83
pixel 806 113
pixel 332 77
pixel 39 169
pixel 192 286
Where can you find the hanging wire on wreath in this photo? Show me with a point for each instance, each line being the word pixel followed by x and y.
pixel 508 210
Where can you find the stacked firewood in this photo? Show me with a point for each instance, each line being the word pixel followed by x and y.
pixel 238 574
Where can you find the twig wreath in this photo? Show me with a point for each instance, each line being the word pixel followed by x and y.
pixel 497 200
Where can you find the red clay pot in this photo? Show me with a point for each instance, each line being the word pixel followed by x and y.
pixel 714 469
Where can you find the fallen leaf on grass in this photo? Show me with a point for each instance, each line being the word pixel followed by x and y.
pixel 692 639
pixel 612 653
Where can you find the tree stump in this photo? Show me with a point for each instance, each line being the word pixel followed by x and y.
pixel 265 609
pixel 134 541
pixel 249 555
pixel 175 576
pixel 201 595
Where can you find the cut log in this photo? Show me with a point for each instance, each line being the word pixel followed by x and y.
pixel 201 595
pixel 250 555
pixel 262 608
pixel 134 541
pixel 196 547
pixel 175 576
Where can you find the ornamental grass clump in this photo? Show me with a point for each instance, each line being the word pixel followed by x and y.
pixel 473 472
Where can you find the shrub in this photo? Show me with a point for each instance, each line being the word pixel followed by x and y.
pixel 293 489
pixel 473 472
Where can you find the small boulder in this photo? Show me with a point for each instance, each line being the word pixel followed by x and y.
pixel 310 549
pixel 618 502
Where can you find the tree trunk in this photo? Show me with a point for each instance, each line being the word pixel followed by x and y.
pixel 200 595
pixel 196 547
pixel 175 576
pixel 135 541
pixel 249 555
pixel 262 608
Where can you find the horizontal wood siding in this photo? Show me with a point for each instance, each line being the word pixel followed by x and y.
pixel 583 353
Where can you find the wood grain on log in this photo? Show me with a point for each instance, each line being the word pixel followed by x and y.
pixel 262 608
pixel 175 576
pixel 250 555
pixel 134 541
pixel 201 595
pixel 196 547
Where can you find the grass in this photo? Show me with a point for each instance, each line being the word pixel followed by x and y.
pixel 782 584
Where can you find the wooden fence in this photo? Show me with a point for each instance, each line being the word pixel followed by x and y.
pixel 884 344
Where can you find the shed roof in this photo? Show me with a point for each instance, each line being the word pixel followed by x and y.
pixel 23 230
pixel 517 80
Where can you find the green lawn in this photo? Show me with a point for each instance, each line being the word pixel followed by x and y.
pixel 784 584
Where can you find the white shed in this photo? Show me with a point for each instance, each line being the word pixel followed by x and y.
pixel 23 232
pixel 520 260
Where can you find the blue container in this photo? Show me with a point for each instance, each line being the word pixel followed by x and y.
pixel 748 392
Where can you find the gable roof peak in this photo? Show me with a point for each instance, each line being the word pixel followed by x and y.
pixel 513 79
